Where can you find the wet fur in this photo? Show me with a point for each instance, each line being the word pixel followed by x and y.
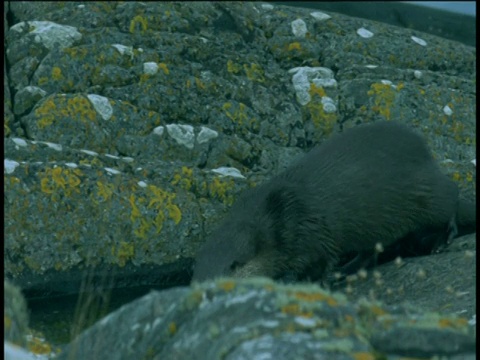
pixel 373 183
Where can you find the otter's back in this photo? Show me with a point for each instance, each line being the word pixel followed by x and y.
pixel 374 183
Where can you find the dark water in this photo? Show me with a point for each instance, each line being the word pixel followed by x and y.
pixel 63 317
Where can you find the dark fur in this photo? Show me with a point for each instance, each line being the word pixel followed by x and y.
pixel 373 183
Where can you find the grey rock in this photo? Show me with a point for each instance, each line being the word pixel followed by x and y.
pixel 15 315
pixel 26 98
pixel 257 318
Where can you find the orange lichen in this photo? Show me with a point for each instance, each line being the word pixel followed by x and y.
pixel 316 297
pixel 227 285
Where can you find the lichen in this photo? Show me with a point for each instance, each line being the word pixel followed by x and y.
pixel 60 181
pixel 238 114
pixel 148 213
pixel 184 178
pixel 123 252
pixel 164 67
pixel 294 46
pixel 56 73
pixel 304 296
pixel 104 191
pixel 322 120
pixel 254 72
pixel 226 285
pixel 76 108
pixel 384 98
pixel 138 21
pixel 221 190
pixel 233 67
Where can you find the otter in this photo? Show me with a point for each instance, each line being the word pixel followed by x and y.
pixel 375 183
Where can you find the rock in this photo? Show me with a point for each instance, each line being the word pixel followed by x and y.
pixel 246 319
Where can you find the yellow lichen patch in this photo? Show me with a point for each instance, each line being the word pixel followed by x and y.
pixel 76 108
pixel 469 177
pixel 159 196
pixel 363 356
pixel 294 46
pixel 314 90
pixel 458 129
pixel 45 112
pixel 290 309
pixel 38 346
pixel 184 178
pixel 104 191
pixel 227 285
pixel 60 180
pixel 456 176
pixel 322 120
pixel 80 108
pixel 11 179
pixel 158 222
pixel 158 200
pixel 172 328
pixel 32 263
pixel 135 213
pixel 377 310
pixel 199 83
pixel 239 116
pixel 233 68
pixel 453 323
pixel 56 73
pixel 254 72
pixel 174 213
pixel 123 252
pixel 193 300
pixel 143 228
pixel 219 189
pixel 294 309
pixel 76 52
pixel 384 97
pixel 307 314
pixel 138 22
pixel 316 297
pixel 164 67
pixel 6 129
pixel 144 78
pixel 7 322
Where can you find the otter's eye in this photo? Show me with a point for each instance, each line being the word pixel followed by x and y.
pixel 235 265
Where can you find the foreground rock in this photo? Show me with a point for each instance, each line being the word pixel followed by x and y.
pixel 247 319
pixel 15 315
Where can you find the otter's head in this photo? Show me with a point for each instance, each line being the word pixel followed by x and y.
pixel 232 250
pixel 250 242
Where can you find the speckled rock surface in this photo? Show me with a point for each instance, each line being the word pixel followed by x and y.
pixel 121 117
pixel 15 316
pixel 444 282
pixel 249 319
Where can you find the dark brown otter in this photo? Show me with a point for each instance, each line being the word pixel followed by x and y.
pixel 372 184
